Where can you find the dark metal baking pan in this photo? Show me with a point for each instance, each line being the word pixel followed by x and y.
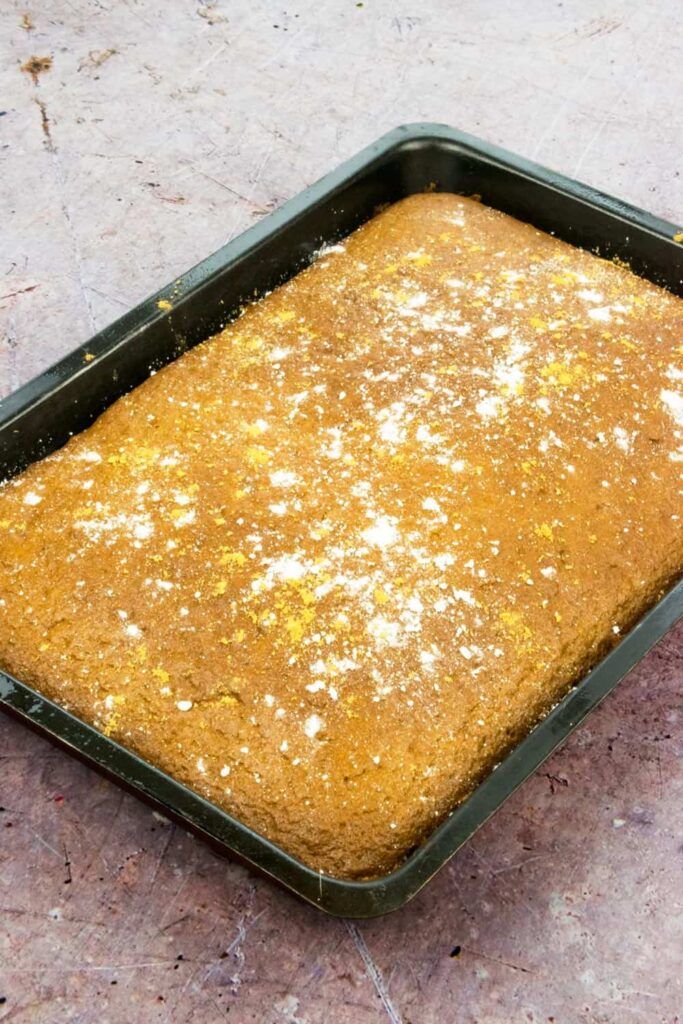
pixel 65 399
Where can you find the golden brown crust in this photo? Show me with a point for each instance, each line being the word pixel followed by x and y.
pixel 327 566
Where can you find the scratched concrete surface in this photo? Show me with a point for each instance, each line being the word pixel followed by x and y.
pixel 158 132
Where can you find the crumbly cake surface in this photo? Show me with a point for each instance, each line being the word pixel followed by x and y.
pixel 326 567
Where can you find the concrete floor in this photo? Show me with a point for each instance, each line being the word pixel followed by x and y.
pixel 158 132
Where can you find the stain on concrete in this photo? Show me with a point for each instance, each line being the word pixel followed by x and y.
pixel 36 66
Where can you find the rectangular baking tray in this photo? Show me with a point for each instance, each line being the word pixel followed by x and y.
pixel 43 414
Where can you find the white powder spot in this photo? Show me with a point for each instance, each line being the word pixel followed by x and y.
pixel 32 498
pixel 466 652
pixel 382 534
pixel 142 488
pixel 464 595
pixel 283 478
pixel 549 571
pixel 280 509
pixel 390 423
pixel 286 568
pixel 590 295
pixel 601 313
pixel 133 631
pixel 186 518
pixel 314 687
pixel 673 400
pixel 312 726
pixel 508 376
pixel 444 560
pixel 277 354
pixel 183 705
pixel 201 765
pixel 343 664
pixel 326 250
pixel 499 332
pixel 384 631
pixel 225 771
pixel 673 373
pixel 390 431
pixel 489 407
pixel 109 702
pixel 425 436
pixel 89 456
pixel 333 450
pixel 622 439
pixel 141 531
pixel 284 747
pixel 269 700
pixel 431 505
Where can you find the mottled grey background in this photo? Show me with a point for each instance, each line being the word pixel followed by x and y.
pixel 159 132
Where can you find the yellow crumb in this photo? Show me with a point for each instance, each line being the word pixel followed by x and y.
pixel 258 456
pixel 255 429
pixel 544 530
pixel 232 557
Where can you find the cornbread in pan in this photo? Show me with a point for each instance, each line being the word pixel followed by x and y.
pixel 327 567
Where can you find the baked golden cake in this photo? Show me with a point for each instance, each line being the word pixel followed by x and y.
pixel 329 565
